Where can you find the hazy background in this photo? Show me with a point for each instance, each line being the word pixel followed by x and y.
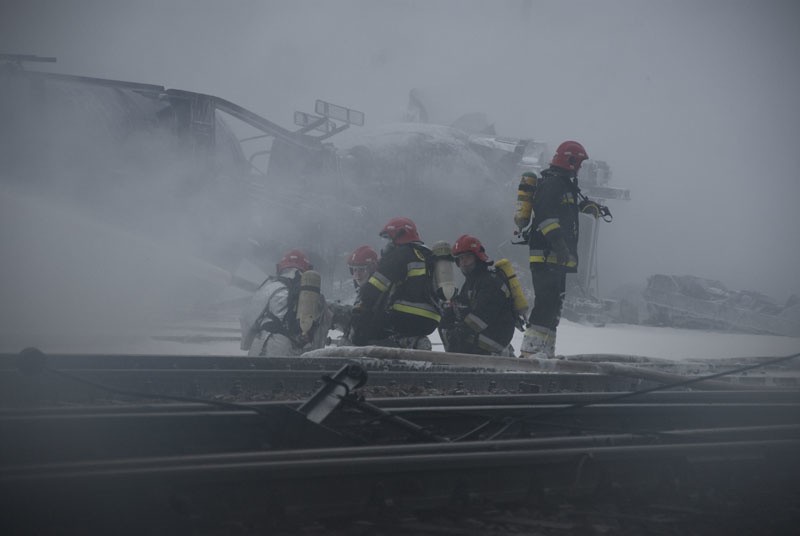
pixel 693 104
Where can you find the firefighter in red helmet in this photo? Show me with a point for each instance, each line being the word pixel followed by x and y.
pixel 481 319
pixel 287 314
pixel 553 243
pixel 363 262
pixel 396 306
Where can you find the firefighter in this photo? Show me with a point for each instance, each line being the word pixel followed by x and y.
pixel 481 319
pixel 287 315
pixel 396 306
pixel 362 262
pixel 553 243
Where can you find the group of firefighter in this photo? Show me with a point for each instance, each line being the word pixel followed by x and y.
pixel 408 292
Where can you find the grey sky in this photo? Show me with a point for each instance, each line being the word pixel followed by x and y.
pixel 693 103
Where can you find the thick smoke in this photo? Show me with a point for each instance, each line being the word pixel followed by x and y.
pixel 693 105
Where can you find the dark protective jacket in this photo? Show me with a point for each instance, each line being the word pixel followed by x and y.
pixel 486 314
pixel 398 292
pixel 555 218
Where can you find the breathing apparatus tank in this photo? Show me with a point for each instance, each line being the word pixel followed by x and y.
pixel 308 301
pixel 518 297
pixel 525 191
pixel 443 282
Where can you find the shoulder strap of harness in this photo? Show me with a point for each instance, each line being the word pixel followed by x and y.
pixel 288 325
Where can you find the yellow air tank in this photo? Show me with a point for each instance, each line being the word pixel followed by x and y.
pixel 308 301
pixel 525 191
pixel 520 302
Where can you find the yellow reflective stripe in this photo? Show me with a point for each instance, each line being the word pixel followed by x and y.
pixel 539 331
pixel 546 226
pixel 415 269
pixel 410 309
pixel 552 259
pixel 551 227
pixel 377 283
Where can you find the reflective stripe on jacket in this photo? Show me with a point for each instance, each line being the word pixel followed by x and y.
pixel 401 283
pixel 555 210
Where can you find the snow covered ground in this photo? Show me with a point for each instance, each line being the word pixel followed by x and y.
pixel 573 338
pixel 669 343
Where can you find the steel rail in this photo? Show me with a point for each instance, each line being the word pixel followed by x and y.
pixel 263 495
pixel 565 399
pixel 32 438
pixel 627 410
pixel 545 365
pixel 292 383
pixel 403 463
pixel 730 435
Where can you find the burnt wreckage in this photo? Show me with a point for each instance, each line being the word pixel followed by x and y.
pixel 241 186
pixel 350 440
pixel 695 302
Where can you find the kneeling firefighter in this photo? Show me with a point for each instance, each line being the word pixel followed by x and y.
pixel 287 315
pixel 396 306
pixel 362 262
pixel 482 316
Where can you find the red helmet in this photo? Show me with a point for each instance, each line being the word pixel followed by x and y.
pixel 470 244
pixel 363 256
pixel 294 258
pixel 400 231
pixel 569 155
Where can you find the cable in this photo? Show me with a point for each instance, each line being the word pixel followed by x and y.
pixel 672 385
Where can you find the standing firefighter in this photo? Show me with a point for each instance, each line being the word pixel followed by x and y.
pixel 481 318
pixel 396 306
pixel 553 244
pixel 287 314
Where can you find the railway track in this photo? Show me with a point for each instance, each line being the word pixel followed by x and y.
pixel 243 378
pixel 484 459
pixel 294 490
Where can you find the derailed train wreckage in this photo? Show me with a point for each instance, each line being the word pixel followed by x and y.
pixel 227 184
pixel 164 162
pixel 382 440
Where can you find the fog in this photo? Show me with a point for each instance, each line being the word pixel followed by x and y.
pixel 693 104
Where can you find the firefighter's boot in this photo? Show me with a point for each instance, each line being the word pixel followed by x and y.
pixel 538 342
pixel 550 347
